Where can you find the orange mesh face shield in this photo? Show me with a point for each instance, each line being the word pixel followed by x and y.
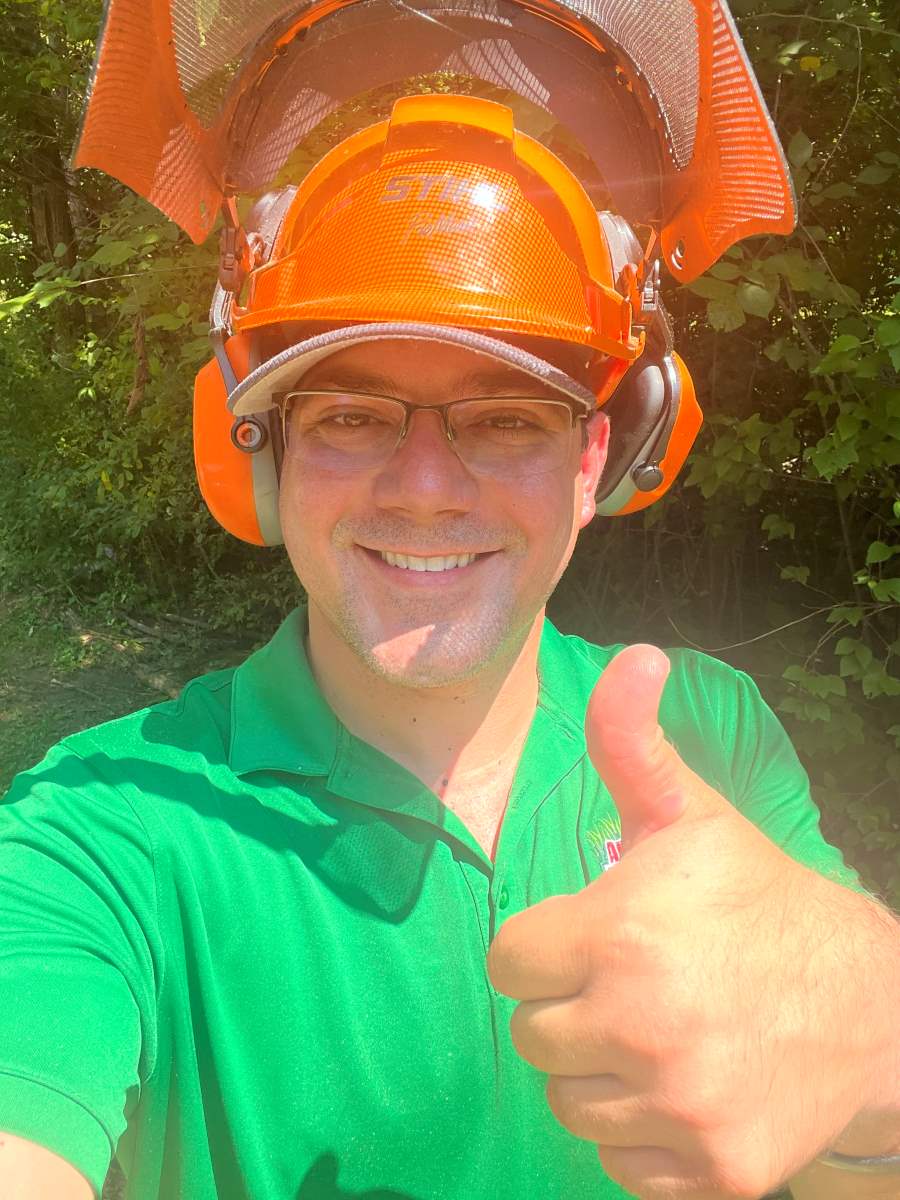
pixel 196 100
pixel 445 214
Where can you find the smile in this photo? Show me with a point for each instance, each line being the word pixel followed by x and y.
pixel 440 562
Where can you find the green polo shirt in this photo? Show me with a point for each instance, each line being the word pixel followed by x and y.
pixel 245 951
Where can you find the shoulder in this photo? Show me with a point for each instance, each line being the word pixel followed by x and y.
pixel 705 684
pixel 196 723
pixel 711 712
pixel 134 756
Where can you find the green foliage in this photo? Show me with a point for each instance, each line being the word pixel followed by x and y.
pixel 799 460
pixel 778 550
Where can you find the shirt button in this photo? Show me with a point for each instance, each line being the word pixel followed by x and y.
pixel 503 898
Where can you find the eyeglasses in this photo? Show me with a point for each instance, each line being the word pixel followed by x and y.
pixel 502 436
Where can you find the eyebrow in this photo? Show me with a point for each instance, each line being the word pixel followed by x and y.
pixel 491 382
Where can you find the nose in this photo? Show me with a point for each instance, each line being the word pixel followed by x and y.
pixel 425 477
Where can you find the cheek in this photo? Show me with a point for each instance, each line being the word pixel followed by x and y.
pixel 306 508
pixel 549 510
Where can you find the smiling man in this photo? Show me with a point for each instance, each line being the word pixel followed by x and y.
pixel 425 899
pixel 428 560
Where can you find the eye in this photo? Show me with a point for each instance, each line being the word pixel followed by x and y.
pixel 508 420
pixel 351 420
pixel 348 413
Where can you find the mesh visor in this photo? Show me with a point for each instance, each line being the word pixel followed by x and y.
pixel 194 99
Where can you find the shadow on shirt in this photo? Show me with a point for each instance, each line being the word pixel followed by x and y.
pixel 321 1183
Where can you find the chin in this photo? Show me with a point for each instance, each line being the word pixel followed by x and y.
pixel 438 655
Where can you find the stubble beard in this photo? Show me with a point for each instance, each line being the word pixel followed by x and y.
pixel 436 653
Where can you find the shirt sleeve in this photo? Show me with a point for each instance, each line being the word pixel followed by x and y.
pixel 756 766
pixel 79 960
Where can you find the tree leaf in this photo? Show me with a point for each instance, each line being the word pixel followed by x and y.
pixel 756 300
pixel 775 526
pixel 725 315
pixel 837 191
pixel 112 254
pixel 799 149
pixel 887 332
pixel 880 552
pixel 886 590
pixel 874 174
pixel 847 425
pixel 712 289
pixel 847 341
pixel 798 574
pixel 851 614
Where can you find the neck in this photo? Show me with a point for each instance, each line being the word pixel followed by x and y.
pixel 453 738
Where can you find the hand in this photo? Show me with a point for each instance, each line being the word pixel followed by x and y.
pixel 701 1009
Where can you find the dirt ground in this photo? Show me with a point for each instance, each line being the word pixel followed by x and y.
pixel 62 671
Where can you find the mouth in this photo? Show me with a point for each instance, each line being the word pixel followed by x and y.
pixel 427 564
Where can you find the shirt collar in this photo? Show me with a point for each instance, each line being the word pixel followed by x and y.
pixel 280 720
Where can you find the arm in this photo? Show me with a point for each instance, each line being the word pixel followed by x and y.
pixel 29 1172
pixel 79 941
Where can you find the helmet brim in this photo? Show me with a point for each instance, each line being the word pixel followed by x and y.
pixel 259 390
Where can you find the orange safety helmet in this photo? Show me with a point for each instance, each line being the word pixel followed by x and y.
pixel 447 223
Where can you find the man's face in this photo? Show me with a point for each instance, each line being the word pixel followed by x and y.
pixel 436 627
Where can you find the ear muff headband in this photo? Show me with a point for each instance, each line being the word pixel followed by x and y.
pixel 654 415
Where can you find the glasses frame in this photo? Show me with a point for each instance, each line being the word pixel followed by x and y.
pixel 283 402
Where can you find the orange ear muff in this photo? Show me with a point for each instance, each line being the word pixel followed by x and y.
pixel 653 413
pixel 235 458
pixel 654 420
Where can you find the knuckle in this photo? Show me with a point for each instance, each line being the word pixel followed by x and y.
pixel 648 1172
pixel 632 944
pixel 739 1166
pixel 522 1034
pixel 701 1110
pixel 741 1183
pixel 573 1111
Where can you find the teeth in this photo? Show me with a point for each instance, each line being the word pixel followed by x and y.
pixel 440 562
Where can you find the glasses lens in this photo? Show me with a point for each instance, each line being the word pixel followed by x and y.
pixel 509 437
pixel 506 437
pixel 343 431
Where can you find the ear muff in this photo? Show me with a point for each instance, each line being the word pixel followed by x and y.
pixel 654 417
pixel 238 460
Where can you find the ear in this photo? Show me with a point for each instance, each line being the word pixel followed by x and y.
pixel 593 460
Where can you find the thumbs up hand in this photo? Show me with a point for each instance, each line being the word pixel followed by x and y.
pixel 698 1008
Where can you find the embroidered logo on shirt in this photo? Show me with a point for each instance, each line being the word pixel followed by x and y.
pixel 605 840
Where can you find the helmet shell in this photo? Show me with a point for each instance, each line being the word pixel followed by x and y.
pixel 444 214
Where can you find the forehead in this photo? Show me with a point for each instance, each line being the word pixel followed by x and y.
pixel 420 370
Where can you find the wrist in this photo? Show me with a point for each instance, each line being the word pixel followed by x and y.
pixel 875 1130
pixel 871 1133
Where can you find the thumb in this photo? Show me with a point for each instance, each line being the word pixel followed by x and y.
pixel 646 778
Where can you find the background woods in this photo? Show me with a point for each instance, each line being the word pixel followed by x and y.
pixel 777 551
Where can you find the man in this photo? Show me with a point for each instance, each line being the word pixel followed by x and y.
pixel 349 920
